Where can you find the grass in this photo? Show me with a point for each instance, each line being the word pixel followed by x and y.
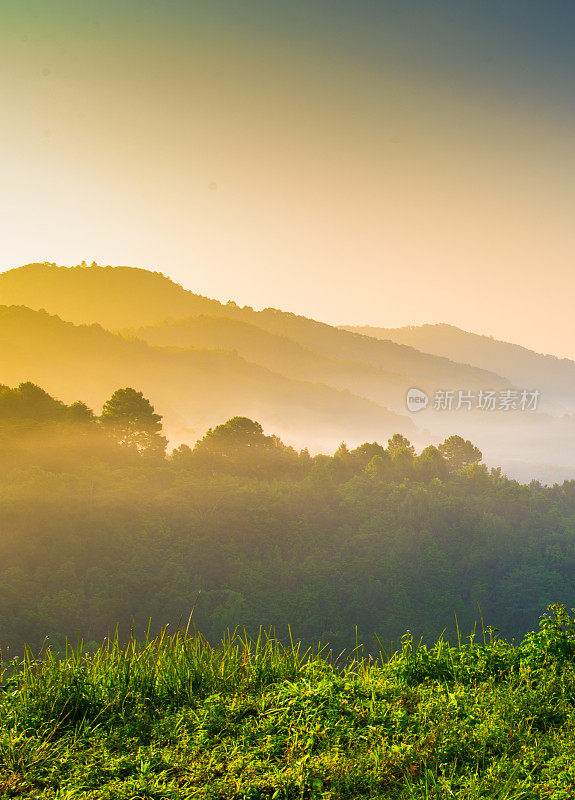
pixel 172 717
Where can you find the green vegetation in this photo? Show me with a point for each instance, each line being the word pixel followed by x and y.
pixel 129 417
pixel 98 527
pixel 173 718
pixel 106 537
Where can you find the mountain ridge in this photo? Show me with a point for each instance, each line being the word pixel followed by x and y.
pixel 108 295
pixel 554 376
pixel 193 389
pixel 338 384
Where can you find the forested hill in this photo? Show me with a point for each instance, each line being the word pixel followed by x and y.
pixel 98 527
pixel 124 297
pixel 311 382
pixel 304 349
pixel 115 297
pixel 195 388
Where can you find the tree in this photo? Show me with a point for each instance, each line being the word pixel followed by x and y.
pixel 459 453
pixel 240 446
pixel 379 466
pixel 131 419
pixel 402 454
pixel 80 412
pixel 30 402
pixel 342 452
pixel 238 436
pixel 399 444
pixel 366 452
pixel 430 464
pixel 181 455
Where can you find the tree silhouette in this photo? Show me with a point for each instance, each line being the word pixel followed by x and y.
pixel 30 402
pixel 131 419
pixel 459 453
pixel 237 436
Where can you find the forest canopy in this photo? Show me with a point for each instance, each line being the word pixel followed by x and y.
pixel 100 526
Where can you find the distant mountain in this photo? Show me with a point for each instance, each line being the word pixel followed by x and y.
pixel 201 361
pixel 163 313
pixel 278 353
pixel 498 434
pixel 115 297
pixel 193 388
pixel 554 377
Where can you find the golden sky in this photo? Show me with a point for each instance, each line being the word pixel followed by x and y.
pixel 388 168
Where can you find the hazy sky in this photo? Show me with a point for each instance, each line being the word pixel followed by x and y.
pixel 370 161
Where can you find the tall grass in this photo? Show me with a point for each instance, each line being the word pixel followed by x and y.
pixel 164 672
pixel 172 716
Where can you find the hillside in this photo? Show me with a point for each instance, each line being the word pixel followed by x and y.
pixel 115 297
pixel 278 353
pixel 539 437
pixel 193 388
pixel 261 348
pixel 160 311
pixel 112 546
pixel 555 377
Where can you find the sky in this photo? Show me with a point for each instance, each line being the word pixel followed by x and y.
pixel 381 162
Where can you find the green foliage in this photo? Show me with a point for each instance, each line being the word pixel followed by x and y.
pixel 93 533
pixel 240 446
pixel 431 464
pixel 368 451
pixel 173 717
pixel 399 445
pixel 554 643
pixel 237 436
pixel 379 466
pixel 459 453
pixel 131 419
pixel 246 531
pixel 31 403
